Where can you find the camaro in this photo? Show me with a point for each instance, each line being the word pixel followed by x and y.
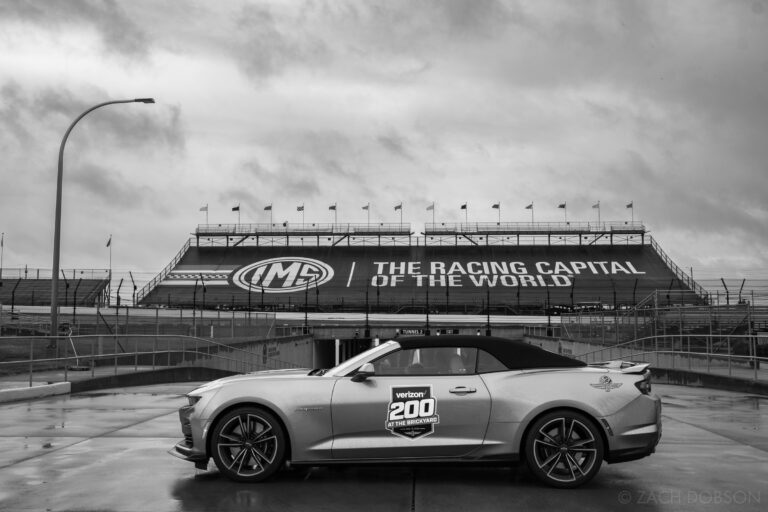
pixel 428 399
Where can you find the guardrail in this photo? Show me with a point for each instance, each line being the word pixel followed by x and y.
pixel 297 228
pixel 524 227
pixel 110 355
pixel 676 352
pixel 163 273
pixel 45 273
pixel 682 276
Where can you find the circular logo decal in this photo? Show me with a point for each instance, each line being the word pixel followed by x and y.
pixel 283 275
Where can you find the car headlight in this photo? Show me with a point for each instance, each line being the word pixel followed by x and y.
pixel 196 395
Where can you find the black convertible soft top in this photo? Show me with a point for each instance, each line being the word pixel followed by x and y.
pixel 514 354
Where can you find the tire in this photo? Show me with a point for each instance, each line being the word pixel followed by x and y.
pixel 248 444
pixel 564 449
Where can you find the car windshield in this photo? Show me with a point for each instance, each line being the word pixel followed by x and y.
pixel 351 364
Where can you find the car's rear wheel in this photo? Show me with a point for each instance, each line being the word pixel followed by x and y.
pixel 564 449
pixel 248 444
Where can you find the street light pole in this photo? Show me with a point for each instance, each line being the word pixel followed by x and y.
pixel 57 222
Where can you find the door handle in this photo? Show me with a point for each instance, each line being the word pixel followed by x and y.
pixel 462 390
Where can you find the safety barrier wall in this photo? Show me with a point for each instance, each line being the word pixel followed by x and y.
pixel 59 360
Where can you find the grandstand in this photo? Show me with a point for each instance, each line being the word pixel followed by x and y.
pixel 506 268
pixel 32 287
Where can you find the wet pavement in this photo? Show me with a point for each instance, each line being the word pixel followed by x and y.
pixel 107 450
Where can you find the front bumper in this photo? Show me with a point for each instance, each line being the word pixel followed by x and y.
pixel 192 447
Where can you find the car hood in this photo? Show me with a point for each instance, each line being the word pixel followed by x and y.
pixel 291 373
pixel 266 374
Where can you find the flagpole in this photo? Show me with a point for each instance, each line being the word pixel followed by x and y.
pixel 110 267
pixel 2 249
pixel 433 213
pixel 206 213
pixel 499 212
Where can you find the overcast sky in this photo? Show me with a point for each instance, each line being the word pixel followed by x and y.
pixel 661 103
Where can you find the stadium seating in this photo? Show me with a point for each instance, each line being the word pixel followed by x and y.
pixel 37 292
pixel 511 278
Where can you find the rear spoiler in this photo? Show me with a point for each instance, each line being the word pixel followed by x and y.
pixel 624 366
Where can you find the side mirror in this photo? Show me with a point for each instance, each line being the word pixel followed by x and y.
pixel 364 372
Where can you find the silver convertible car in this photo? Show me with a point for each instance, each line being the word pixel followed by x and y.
pixel 428 399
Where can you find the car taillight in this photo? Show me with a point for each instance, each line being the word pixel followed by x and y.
pixel 644 385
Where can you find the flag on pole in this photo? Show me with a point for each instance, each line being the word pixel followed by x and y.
pixel 236 208
pixel 596 205
pixel 463 207
pixel 496 206
pixel 399 206
pixel 431 207
pixel 300 208
pixel 366 207
pixel 529 207
pixel 332 207
pixel 204 208
pixel 109 242
pixel 561 205
pixel 268 208
pixel 630 204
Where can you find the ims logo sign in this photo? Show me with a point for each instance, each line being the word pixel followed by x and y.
pixel 283 275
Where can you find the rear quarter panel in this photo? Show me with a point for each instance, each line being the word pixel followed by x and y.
pixel 518 397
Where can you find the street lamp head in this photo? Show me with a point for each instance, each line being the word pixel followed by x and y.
pixel 144 100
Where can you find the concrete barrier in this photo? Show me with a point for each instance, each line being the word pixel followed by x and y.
pixel 39 391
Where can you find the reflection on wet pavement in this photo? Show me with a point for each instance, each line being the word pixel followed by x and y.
pixel 108 451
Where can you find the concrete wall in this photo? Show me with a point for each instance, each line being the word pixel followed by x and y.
pixel 660 366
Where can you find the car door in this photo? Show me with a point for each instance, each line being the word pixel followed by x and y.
pixel 421 403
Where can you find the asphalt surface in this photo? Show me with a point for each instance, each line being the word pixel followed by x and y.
pixel 107 451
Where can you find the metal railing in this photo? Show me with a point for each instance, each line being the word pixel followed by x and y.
pixel 696 353
pixel 45 273
pixel 524 227
pixel 682 276
pixel 296 228
pixel 619 326
pixel 163 273
pixel 81 357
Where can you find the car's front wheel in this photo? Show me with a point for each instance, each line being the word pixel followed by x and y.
pixel 248 444
pixel 564 449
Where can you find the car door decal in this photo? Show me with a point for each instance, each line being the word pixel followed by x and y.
pixel 412 412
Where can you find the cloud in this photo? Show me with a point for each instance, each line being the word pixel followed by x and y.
pixel 396 144
pixel 11 116
pixel 103 186
pixel 268 44
pixel 118 33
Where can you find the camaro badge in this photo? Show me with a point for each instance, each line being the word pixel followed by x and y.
pixel 412 412
pixel 607 384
